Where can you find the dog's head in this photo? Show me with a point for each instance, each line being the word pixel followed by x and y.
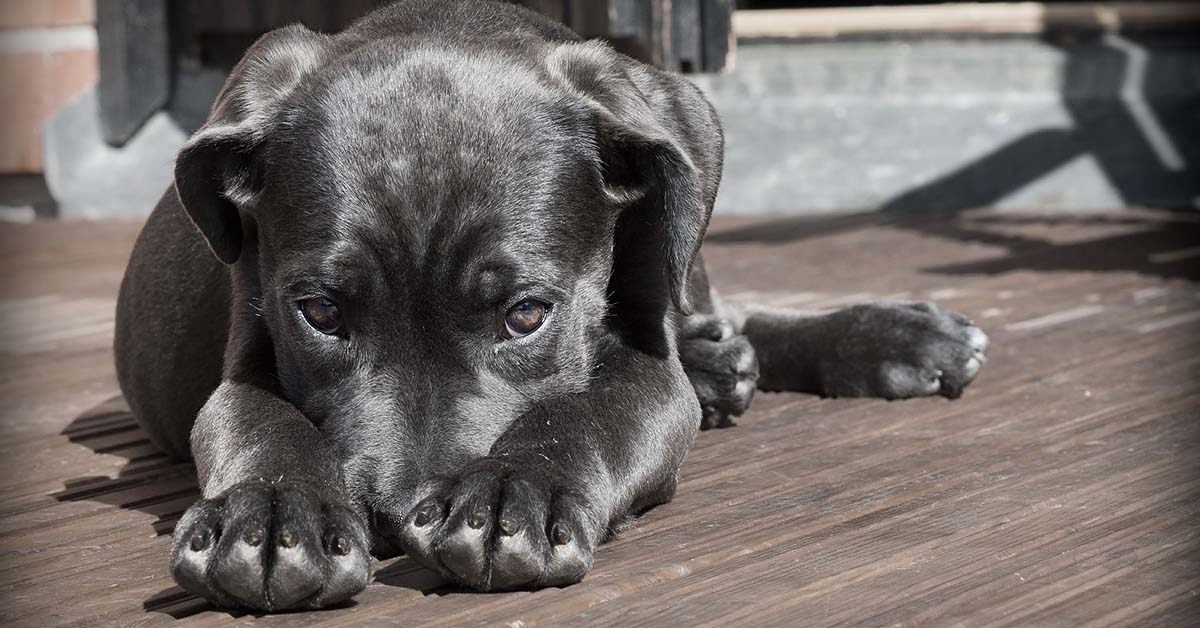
pixel 436 236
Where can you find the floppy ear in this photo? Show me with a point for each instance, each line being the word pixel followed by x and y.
pixel 651 131
pixel 218 172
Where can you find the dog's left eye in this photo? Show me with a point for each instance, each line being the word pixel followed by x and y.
pixel 524 318
pixel 322 314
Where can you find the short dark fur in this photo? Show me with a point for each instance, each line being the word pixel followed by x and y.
pixel 426 168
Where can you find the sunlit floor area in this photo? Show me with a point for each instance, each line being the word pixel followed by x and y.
pixel 1062 489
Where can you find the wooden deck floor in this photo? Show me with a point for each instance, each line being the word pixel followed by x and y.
pixel 1063 489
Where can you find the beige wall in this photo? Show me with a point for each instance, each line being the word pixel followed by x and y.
pixel 47 57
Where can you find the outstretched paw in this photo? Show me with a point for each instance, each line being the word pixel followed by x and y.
pixel 899 350
pixel 271 547
pixel 721 366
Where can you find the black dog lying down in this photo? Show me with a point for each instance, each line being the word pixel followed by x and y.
pixel 455 250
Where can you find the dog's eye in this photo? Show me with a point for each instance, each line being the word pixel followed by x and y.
pixel 322 313
pixel 525 317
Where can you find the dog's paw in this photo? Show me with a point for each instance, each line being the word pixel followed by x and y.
pixel 899 350
pixel 271 547
pixel 497 527
pixel 721 366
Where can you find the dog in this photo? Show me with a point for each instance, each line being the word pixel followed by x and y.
pixel 432 285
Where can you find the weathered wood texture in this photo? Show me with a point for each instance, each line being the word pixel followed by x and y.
pixel 1062 490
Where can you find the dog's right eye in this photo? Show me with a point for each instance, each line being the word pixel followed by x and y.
pixel 322 314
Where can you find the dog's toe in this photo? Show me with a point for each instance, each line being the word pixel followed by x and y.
pixel 521 544
pixel 903 381
pixel 238 565
pixel 976 339
pixel 297 571
pixel 570 544
pixel 196 539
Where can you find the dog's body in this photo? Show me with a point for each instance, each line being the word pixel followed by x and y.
pixel 453 249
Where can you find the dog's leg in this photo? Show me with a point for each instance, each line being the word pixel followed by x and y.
pixel 558 480
pixel 888 349
pixel 275 529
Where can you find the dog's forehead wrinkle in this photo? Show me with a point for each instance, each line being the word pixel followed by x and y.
pixel 461 153
pixel 433 97
pixel 453 247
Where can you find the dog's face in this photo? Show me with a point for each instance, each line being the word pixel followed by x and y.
pixel 434 265
pixel 437 238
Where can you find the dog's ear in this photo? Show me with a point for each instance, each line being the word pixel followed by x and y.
pixel 645 166
pixel 217 173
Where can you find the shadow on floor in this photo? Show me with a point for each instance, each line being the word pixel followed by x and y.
pixel 402 572
pixel 152 483
pixel 1158 244
pixel 179 604
pixel 1169 249
pixel 149 482
pixel 405 573
pixel 1132 112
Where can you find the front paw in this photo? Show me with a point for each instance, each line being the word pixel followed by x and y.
pixel 899 350
pixel 498 527
pixel 271 547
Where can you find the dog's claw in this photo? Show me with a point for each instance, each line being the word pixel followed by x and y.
pixel 560 534
pixel 423 516
pixel 200 539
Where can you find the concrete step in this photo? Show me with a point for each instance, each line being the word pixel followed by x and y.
pixel 865 123
pixel 1092 122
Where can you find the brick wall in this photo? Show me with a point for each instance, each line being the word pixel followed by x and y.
pixel 47 57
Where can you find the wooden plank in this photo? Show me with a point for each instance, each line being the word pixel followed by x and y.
pixel 1061 490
